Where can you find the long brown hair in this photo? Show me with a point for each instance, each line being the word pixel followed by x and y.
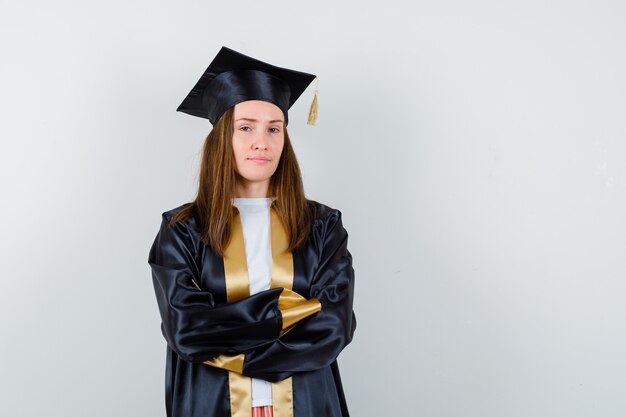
pixel 213 208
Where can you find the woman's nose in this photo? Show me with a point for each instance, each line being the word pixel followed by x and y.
pixel 260 142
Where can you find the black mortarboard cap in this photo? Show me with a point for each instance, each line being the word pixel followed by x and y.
pixel 233 77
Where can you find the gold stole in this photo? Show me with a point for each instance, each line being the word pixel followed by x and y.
pixel 238 287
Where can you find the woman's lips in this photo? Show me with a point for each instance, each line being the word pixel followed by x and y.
pixel 259 160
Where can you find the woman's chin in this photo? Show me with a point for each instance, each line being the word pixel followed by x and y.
pixel 257 176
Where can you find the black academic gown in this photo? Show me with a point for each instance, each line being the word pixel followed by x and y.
pixel 199 324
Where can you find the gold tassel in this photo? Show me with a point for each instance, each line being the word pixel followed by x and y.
pixel 313 110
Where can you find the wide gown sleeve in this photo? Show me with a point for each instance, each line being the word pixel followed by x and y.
pixel 194 326
pixel 315 342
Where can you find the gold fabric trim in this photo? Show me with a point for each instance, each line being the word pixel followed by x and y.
pixel 240 388
pixel 282 276
pixel 282 398
pixel 237 287
pixel 282 259
pixel 289 298
pixel 235 264
pixel 231 363
pixel 299 311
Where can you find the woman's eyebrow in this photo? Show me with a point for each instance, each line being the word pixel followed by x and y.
pixel 255 120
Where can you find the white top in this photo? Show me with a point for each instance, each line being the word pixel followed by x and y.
pixel 255 221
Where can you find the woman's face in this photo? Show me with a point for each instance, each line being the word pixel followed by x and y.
pixel 258 140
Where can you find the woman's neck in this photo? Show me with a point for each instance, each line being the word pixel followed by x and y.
pixel 251 189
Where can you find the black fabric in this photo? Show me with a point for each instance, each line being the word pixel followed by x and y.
pixel 233 77
pixel 198 323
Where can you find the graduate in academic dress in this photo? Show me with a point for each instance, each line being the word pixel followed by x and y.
pixel 254 282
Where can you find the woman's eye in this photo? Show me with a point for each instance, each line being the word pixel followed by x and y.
pixel 274 129
pixel 245 128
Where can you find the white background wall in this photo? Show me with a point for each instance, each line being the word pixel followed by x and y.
pixel 476 150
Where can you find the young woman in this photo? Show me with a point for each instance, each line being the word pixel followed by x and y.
pixel 254 281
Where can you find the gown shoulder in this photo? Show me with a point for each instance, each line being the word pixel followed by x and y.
pixel 324 212
pixel 168 214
